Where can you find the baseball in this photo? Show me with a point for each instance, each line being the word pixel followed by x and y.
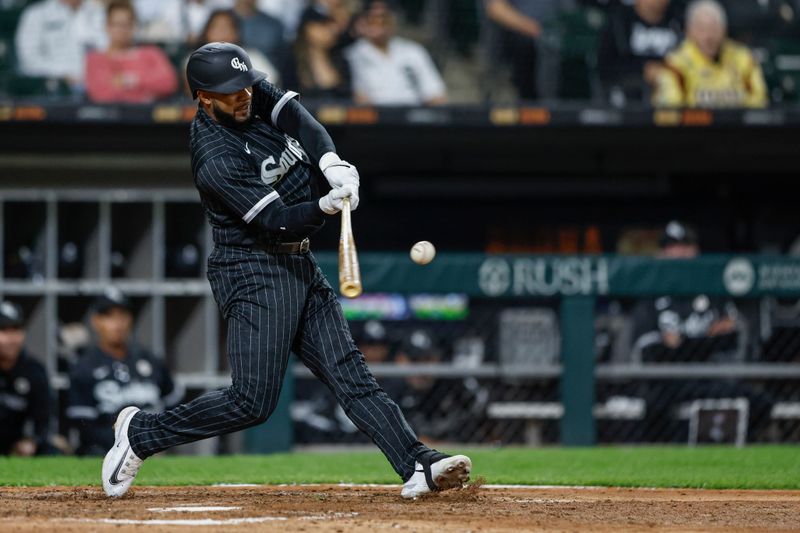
pixel 423 253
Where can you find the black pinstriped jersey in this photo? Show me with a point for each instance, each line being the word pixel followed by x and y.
pixel 101 386
pixel 24 398
pixel 239 172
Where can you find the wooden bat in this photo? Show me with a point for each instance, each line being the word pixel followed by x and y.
pixel 349 272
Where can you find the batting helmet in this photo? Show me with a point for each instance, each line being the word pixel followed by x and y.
pixel 221 68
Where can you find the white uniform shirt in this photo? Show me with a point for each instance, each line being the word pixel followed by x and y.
pixel 403 75
pixel 161 21
pixel 52 39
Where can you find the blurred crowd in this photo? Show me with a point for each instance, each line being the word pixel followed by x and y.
pixel 706 53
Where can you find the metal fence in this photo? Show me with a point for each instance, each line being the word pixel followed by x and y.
pixel 493 377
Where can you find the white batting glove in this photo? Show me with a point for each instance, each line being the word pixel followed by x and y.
pixel 333 202
pixel 337 171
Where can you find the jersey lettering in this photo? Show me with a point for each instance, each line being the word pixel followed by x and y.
pixel 272 172
pixel 111 396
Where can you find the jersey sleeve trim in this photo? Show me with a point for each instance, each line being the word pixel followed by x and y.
pixel 279 106
pixel 82 411
pixel 256 209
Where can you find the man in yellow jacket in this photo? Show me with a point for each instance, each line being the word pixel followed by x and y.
pixel 708 69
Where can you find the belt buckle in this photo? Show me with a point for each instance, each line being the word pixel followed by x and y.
pixel 305 245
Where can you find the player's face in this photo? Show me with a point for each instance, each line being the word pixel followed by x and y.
pixel 113 327
pixel 11 341
pixel 230 109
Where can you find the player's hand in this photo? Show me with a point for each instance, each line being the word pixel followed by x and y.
pixel 333 202
pixel 337 171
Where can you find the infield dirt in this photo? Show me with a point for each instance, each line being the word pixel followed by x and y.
pixel 365 509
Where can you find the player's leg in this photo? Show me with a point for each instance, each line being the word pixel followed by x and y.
pixel 325 345
pixel 262 301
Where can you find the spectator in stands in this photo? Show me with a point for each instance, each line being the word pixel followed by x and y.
pixel 161 21
pixel 124 72
pixel 340 12
pixel 260 31
pixel 52 37
pixel 632 48
pixel 287 11
pixel 708 69
pixel 24 390
pixel 197 13
pixel 535 62
pixel 671 329
pixel 320 69
pixel 112 374
pixel 390 70
pixel 223 26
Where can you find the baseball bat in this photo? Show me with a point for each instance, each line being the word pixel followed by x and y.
pixel 349 271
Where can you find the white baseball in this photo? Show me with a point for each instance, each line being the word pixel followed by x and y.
pixel 423 253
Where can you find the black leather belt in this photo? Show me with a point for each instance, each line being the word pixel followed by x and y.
pixel 301 247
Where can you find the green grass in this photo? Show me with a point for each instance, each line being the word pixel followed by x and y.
pixel 755 467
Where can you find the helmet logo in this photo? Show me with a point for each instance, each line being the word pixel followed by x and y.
pixel 238 64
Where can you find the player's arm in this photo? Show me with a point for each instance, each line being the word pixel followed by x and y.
pixel 232 181
pixel 287 114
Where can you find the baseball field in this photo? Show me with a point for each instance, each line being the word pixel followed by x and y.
pixel 599 489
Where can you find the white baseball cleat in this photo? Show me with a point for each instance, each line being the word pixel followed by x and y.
pixel 121 465
pixel 435 472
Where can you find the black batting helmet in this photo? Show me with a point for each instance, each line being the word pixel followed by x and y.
pixel 221 68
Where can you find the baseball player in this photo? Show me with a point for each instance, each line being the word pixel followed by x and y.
pixel 257 160
pixel 112 374
pixel 24 390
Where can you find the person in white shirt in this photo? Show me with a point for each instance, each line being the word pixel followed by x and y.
pixel 52 39
pixel 390 70
pixel 161 21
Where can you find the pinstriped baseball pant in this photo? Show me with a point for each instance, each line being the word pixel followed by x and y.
pixel 274 304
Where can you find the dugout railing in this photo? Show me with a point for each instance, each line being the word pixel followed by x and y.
pixel 133 239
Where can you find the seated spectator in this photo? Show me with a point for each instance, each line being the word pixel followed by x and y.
pixel 689 329
pixel 223 26
pixel 112 374
pixel 52 37
pixel 197 13
pixel 161 21
pixel 535 65
pixel 287 11
pixel 390 70
pixel 24 390
pixel 632 48
pixel 125 72
pixel 709 70
pixel 320 69
pixel 260 31
pixel 340 12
